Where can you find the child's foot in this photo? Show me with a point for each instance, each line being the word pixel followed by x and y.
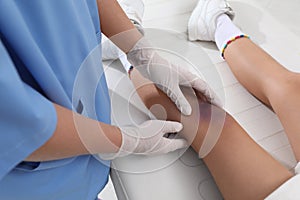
pixel 134 10
pixel 202 23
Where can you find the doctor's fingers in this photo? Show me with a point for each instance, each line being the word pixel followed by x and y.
pixel 166 145
pixel 175 94
pixel 202 89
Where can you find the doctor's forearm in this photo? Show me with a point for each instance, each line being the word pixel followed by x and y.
pixel 77 135
pixel 116 25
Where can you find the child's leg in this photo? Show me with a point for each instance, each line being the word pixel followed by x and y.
pixel 241 168
pixel 255 69
pixel 270 82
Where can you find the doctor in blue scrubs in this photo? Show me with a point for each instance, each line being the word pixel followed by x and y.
pixel 47 141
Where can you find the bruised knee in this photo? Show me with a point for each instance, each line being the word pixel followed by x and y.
pixel 212 122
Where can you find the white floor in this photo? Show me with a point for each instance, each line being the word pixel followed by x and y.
pixel 275 26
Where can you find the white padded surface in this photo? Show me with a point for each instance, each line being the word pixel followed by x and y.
pixel 274 25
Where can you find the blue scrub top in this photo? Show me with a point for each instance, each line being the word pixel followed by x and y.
pixel 43 44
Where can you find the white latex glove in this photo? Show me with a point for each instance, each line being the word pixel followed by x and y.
pixel 148 139
pixel 168 76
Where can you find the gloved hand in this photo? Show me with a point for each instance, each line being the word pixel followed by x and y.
pixel 168 76
pixel 148 139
